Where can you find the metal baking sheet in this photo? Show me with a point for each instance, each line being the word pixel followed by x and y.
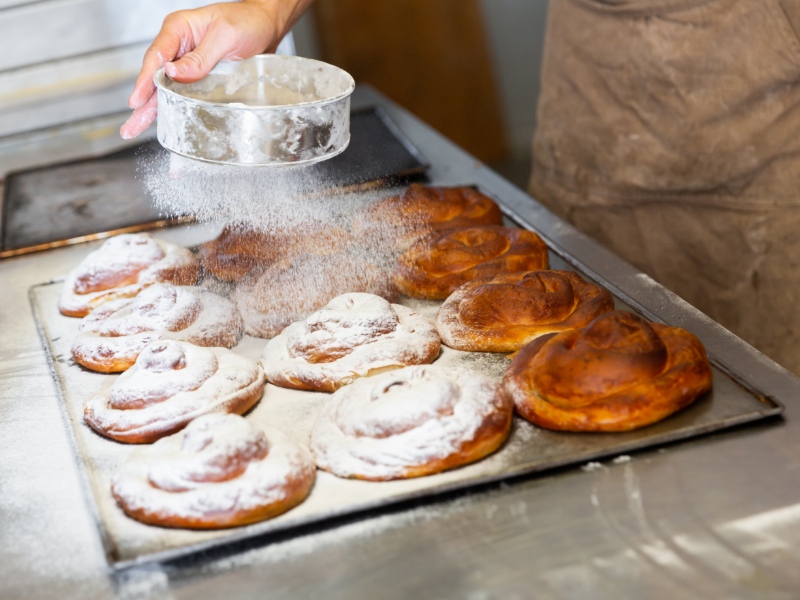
pixel 528 449
pixel 91 199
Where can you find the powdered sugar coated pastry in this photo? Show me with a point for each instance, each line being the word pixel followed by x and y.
pixel 170 384
pixel 220 471
pixel 121 268
pixel 411 422
pixel 354 335
pixel 113 335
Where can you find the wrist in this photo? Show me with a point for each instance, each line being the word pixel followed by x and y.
pixel 282 13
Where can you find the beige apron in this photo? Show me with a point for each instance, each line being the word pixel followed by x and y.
pixel 669 130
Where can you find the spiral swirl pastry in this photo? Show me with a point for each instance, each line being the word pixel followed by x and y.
pixel 121 268
pixel 504 313
pixel 220 471
pixel 438 264
pixel 292 289
pixel 617 374
pixel 113 335
pixel 399 220
pixel 170 384
pixel 354 335
pixel 239 250
pixel 411 422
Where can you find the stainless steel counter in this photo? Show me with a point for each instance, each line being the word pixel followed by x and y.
pixel 717 517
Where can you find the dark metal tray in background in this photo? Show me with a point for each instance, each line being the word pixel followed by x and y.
pixel 89 199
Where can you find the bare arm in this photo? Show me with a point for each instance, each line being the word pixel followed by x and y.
pixel 192 42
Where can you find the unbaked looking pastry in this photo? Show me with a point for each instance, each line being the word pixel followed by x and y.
pixel 411 422
pixel 113 335
pixel 619 373
pixel 292 289
pixel 220 471
pixel 420 209
pixel 170 384
pixel 121 268
pixel 354 335
pixel 239 250
pixel 438 264
pixel 504 313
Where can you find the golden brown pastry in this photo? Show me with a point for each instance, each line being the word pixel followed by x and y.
pixel 354 335
pixel 411 422
pixel 170 384
pixel 420 209
pixel 619 373
pixel 113 335
pixel 220 471
pixel 438 264
pixel 121 268
pixel 504 313
pixel 292 289
pixel 239 250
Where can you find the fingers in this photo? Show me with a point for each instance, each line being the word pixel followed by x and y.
pixel 144 86
pixel 174 39
pixel 218 43
pixel 199 39
pixel 141 119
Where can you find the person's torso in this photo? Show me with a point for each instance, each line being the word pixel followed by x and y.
pixel 677 97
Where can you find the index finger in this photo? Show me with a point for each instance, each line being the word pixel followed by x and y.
pixel 173 41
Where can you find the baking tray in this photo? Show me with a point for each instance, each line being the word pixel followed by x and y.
pixel 528 449
pixel 70 203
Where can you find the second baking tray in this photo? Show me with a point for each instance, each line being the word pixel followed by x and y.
pixel 528 449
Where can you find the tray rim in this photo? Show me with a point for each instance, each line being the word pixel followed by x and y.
pixel 770 409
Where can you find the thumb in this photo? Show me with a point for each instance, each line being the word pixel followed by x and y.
pixel 193 66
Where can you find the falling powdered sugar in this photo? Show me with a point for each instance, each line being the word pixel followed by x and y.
pixel 284 208
pixel 261 198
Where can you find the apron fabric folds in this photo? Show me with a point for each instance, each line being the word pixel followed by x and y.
pixel 669 130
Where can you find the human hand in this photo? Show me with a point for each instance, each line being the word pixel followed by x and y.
pixel 192 42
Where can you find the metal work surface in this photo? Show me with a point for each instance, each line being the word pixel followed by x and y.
pixel 715 517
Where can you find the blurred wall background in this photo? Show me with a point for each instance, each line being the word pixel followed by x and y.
pixel 510 36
